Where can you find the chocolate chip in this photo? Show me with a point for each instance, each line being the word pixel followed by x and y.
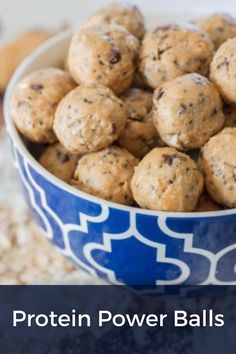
pixel 160 52
pixel 168 159
pixel 63 158
pixel 87 101
pixel 125 165
pixel 220 29
pixel 37 87
pixel 183 108
pixel 115 57
pixel 121 184
pixel 113 128
pixel 214 112
pixel 159 93
pixel 101 62
pixel 225 62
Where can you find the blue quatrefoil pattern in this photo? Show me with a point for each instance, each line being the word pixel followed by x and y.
pixel 131 248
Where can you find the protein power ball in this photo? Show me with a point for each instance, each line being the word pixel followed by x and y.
pixel 171 51
pixel 105 55
pixel 220 27
pixel 89 118
pixel 58 161
pixel 126 15
pixel 137 103
pixel 218 162
pixel 223 70
pixel 188 111
pixel 34 102
pixel 107 174
pixel 140 135
pixel 167 180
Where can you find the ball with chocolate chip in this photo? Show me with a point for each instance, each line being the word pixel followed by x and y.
pixel 140 135
pixel 137 103
pixel 89 118
pixel 167 180
pixel 218 162
pixel 58 161
pixel 171 51
pixel 34 102
pixel 107 174
pixel 220 27
pixel 105 55
pixel 188 111
pixel 223 70
pixel 126 15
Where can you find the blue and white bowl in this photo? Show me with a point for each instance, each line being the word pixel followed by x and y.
pixel 121 244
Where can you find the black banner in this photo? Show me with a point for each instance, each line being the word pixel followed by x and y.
pixel 115 319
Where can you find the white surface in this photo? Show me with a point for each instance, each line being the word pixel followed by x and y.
pixel 17 15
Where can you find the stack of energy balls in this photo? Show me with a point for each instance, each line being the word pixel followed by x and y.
pixel 139 118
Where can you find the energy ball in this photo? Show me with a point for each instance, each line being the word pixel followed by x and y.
pixel 126 15
pixel 171 51
pixel 220 27
pixel 223 70
pixel 167 180
pixel 138 103
pixel 206 204
pixel 34 102
pixel 89 118
pixel 107 174
pixel 104 55
pixel 140 135
pixel 188 111
pixel 230 116
pixel 218 162
pixel 58 161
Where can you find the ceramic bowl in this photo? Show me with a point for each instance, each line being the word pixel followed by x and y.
pixel 123 245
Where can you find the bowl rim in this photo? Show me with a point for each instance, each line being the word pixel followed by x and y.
pixel 17 141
